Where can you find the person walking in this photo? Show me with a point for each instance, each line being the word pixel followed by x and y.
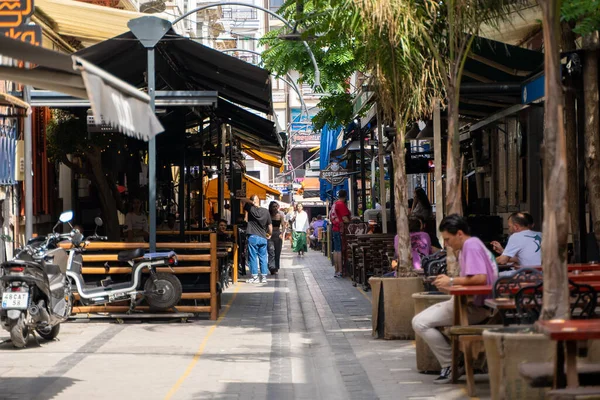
pixel 276 240
pixel 339 215
pixel 299 228
pixel 258 231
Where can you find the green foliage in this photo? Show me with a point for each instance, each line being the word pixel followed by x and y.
pixel 67 135
pixel 335 110
pixel 330 28
pixel 585 14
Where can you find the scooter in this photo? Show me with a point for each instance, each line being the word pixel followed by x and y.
pixel 162 291
pixel 36 294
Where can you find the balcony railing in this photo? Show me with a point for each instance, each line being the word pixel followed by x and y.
pixel 234 14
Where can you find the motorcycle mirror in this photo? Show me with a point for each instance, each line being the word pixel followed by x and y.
pixel 98 221
pixel 66 216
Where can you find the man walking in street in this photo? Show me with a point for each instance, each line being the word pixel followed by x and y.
pixel 339 215
pixel 477 267
pixel 258 231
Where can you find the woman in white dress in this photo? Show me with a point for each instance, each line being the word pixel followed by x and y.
pixel 299 228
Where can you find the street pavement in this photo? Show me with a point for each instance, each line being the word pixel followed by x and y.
pixel 304 335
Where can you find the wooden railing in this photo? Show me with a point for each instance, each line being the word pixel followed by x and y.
pixel 199 233
pixel 189 263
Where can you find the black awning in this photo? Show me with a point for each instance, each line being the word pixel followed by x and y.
pixel 493 75
pixel 183 64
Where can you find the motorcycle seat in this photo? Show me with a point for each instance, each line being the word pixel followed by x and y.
pixel 129 255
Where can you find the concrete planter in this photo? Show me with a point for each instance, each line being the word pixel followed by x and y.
pixel 505 349
pixel 426 361
pixel 393 310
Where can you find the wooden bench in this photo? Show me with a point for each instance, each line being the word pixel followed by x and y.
pixel 369 256
pixel 193 236
pixel 195 262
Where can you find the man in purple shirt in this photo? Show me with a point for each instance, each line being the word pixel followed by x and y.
pixel 477 267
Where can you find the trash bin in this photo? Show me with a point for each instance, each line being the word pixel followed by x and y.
pixel 426 361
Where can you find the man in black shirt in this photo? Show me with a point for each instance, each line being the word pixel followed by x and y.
pixel 258 231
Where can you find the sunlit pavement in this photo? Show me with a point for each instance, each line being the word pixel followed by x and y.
pixel 303 335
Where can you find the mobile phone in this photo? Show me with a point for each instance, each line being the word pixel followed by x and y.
pixel 431 278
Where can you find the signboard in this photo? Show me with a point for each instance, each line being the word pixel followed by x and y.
pixel 533 90
pixel 13 17
pixel 13 13
pixel 334 174
pixel 31 34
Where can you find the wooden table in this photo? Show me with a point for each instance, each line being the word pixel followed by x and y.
pixel 583 277
pixel 461 296
pixel 566 333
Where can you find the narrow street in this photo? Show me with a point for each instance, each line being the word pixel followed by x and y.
pixel 304 335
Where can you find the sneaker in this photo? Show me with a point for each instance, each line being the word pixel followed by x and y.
pixel 263 279
pixel 254 279
pixel 445 376
pixel 337 275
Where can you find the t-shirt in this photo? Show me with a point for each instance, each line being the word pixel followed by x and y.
pixel 476 259
pixel 420 244
pixel 258 220
pixel 136 222
pixel 526 246
pixel 338 212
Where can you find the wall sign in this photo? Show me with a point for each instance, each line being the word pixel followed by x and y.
pixel 13 17
pixel 334 173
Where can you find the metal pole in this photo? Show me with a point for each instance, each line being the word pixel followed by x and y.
pixel 182 178
pixel 28 136
pixel 382 199
pixel 233 211
pixel 221 193
pixel 437 160
pixel 152 154
pixel 363 172
pixel 202 194
pixel 373 161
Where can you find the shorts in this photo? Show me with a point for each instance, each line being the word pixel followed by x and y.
pixel 337 242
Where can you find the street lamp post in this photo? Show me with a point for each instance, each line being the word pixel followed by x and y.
pixel 266 10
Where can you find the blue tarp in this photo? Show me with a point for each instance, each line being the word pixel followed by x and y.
pixel 329 141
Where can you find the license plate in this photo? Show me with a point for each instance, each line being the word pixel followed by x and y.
pixel 15 300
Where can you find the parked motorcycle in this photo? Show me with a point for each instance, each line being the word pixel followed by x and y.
pixel 36 294
pixel 161 291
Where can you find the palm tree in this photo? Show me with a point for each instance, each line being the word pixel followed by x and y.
pixel 556 219
pixel 407 79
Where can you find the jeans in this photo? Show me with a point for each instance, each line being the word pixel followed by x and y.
pixel 275 244
pixel 441 314
pixel 257 250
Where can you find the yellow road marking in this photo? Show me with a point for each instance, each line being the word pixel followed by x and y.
pixel 363 293
pixel 198 354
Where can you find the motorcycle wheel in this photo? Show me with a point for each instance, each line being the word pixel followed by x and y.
pixel 49 333
pixel 169 285
pixel 19 332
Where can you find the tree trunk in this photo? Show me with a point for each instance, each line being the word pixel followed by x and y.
pixel 108 204
pixel 568 44
pixel 453 184
pixel 556 218
pixel 453 187
pixel 592 127
pixel 405 262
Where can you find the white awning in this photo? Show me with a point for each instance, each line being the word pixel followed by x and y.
pixel 112 100
pixel 89 23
